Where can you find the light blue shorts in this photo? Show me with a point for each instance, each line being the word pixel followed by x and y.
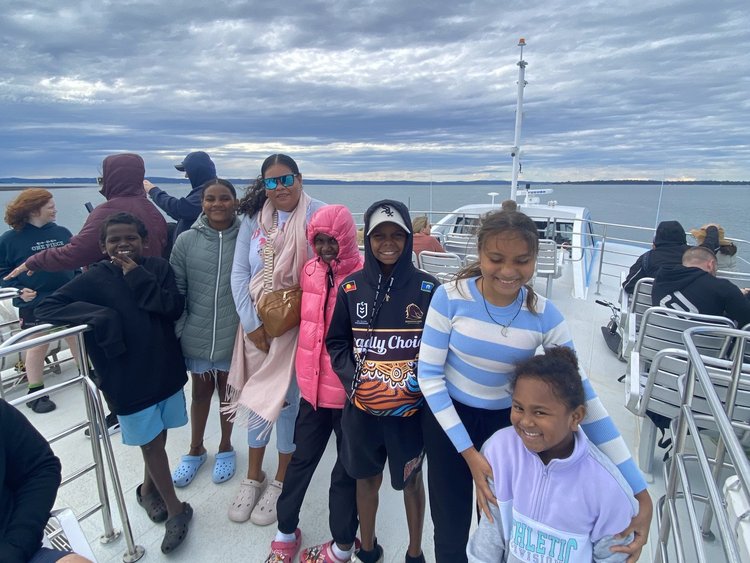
pixel 139 428
pixel 199 365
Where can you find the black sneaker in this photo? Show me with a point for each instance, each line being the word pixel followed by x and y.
pixel 42 404
pixel 113 426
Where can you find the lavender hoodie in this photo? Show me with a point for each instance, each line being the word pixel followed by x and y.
pixel 564 512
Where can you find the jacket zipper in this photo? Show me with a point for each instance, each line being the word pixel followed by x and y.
pixel 216 295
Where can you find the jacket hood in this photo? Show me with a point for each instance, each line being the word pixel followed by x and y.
pixel 403 268
pixel 674 278
pixel 123 175
pixel 669 232
pixel 199 168
pixel 336 221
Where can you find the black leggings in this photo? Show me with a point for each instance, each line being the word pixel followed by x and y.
pixel 311 434
pixel 451 488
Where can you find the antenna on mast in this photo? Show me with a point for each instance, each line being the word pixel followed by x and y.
pixel 515 152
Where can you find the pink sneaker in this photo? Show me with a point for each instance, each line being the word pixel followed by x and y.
pixel 284 551
pixel 323 553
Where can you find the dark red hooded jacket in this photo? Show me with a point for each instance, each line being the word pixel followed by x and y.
pixel 123 187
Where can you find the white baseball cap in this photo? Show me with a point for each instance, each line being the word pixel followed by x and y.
pixel 386 214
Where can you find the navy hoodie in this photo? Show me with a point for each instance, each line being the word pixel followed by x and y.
pixel 383 315
pixel 200 170
pixel 17 246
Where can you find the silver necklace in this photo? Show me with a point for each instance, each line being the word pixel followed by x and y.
pixel 504 330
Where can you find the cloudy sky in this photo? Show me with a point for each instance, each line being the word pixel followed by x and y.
pixel 379 89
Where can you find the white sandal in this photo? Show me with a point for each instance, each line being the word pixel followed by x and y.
pixel 264 512
pixel 246 499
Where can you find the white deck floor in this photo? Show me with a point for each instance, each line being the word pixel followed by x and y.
pixel 213 537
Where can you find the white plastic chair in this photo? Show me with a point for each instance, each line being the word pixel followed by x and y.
pixel 442 265
pixel 546 263
pixel 632 308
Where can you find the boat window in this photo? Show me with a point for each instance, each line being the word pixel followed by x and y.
pixel 466 225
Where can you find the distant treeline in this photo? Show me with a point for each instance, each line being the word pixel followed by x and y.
pixel 246 181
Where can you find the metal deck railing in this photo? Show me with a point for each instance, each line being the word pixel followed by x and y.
pixel 103 460
pixel 684 534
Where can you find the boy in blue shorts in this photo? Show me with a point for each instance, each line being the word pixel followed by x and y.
pixel 373 341
pixel 131 303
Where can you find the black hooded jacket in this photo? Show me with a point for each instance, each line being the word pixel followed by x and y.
pixel 385 315
pixel 670 244
pixel 697 291
pixel 132 341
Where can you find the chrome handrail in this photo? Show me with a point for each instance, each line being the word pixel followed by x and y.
pixel 686 428
pixel 97 425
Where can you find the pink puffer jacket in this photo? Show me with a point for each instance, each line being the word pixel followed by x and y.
pixel 318 383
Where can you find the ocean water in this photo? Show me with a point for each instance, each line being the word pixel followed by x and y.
pixel 691 205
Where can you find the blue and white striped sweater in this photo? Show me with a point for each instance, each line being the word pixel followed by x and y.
pixel 465 357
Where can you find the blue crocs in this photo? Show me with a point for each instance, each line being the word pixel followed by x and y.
pixel 184 473
pixel 225 465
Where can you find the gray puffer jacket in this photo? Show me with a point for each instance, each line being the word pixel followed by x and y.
pixel 202 263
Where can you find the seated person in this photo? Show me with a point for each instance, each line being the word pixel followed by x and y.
pixel 725 251
pixel 693 286
pixel 668 247
pixel 29 478
pixel 423 240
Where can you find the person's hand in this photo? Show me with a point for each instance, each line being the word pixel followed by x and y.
pixel 745 291
pixel 260 339
pixel 18 271
pixel 125 262
pixel 147 186
pixel 640 526
pixel 27 294
pixel 480 472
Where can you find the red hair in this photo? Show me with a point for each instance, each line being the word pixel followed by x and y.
pixel 20 209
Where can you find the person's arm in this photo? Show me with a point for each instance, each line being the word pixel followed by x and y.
pixel 340 342
pixel 636 272
pixel 487 543
pixel 177 208
pixel 68 306
pixel 82 249
pixel 6 267
pixel 736 304
pixel 32 476
pixel 178 261
pixel 433 353
pixel 156 291
pixel 241 276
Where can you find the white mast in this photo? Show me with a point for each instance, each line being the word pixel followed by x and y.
pixel 516 150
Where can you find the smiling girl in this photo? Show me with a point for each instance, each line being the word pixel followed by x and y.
pixel 546 460
pixel 476 329
pixel 202 262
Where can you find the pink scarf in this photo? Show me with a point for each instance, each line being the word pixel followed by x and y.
pixel 258 382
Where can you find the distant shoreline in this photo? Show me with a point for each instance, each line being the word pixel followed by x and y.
pixel 7 184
